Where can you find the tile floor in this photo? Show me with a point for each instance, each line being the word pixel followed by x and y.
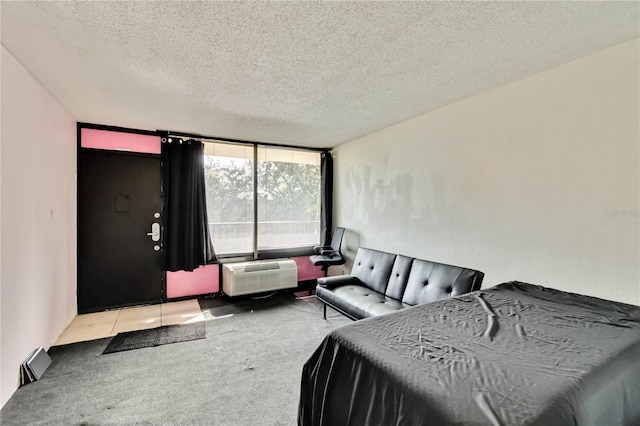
pixel 106 324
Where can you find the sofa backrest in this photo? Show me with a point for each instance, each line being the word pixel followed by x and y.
pixel 412 281
pixel 430 281
pixel 373 268
pixel 399 277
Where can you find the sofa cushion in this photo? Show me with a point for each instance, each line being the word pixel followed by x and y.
pixel 399 277
pixel 359 301
pixel 373 267
pixel 429 281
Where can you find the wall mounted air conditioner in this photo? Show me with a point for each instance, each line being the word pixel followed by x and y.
pixel 259 276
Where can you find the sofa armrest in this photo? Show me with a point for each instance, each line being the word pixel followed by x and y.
pixel 338 281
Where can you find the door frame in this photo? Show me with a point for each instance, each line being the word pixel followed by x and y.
pixel 79 148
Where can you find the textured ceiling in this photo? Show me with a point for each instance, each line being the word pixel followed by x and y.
pixel 304 73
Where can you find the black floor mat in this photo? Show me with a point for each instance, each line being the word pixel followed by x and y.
pixel 156 336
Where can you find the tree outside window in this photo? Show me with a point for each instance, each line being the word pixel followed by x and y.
pixel 288 197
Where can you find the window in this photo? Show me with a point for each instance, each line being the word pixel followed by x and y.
pixel 228 174
pixel 286 198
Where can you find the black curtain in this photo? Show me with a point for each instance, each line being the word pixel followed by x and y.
pixel 187 243
pixel 326 209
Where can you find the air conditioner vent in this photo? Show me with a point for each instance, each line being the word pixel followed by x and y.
pixel 259 276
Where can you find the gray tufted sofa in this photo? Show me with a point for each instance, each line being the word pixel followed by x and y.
pixel 382 282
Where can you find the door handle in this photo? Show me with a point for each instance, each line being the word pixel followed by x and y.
pixel 155 232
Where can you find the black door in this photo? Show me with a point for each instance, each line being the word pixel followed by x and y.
pixel 119 199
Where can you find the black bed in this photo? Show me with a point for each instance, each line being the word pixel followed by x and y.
pixel 515 354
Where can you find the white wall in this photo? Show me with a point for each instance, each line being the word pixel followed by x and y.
pixel 536 181
pixel 38 220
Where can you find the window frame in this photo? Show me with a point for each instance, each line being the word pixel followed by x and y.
pixel 260 254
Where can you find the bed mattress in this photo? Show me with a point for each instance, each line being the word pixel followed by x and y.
pixel 515 354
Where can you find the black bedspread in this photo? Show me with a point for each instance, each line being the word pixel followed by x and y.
pixel 515 354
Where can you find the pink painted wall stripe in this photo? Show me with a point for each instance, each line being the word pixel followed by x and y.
pixel 119 141
pixel 306 270
pixel 203 280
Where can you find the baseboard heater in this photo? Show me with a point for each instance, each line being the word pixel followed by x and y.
pixel 34 366
pixel 259 276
